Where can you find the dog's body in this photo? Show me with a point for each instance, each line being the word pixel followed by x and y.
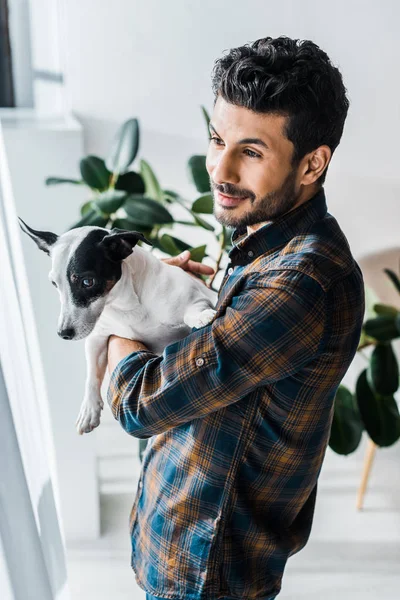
pixel 107 288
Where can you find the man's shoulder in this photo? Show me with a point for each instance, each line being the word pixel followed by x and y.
pixel 322 252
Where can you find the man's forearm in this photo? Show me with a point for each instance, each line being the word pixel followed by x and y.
pixel 119 348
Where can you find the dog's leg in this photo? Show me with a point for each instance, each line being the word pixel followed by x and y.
pixel 96 362
pixel 199 314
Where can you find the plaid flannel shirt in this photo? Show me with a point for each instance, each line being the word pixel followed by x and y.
pixel 239 413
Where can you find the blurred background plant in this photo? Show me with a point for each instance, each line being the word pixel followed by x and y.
pixel 123 198
pixel 372 407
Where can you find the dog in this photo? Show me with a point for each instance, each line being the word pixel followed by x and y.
pixel 109 285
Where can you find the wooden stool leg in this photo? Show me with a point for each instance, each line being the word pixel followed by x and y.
pixel 369 457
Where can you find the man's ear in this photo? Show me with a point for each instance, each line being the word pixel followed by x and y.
pixel 120 243
pixel 43 239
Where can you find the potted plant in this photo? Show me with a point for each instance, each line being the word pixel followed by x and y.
pixel 130 199
pixel 372 406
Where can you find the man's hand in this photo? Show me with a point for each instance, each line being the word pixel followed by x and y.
pixel 191 266
pixel 119 347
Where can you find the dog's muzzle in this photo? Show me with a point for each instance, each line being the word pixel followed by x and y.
pixel 67 334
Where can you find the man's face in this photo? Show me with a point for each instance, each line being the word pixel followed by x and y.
pixel 249 160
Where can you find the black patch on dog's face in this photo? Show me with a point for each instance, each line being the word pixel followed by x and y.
pixel 90 263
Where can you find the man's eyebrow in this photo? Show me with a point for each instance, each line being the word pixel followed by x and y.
pixel 257 141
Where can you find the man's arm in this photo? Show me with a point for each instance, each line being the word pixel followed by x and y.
pixel 119 348
pixel 270 330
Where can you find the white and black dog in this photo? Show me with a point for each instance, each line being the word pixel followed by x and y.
pixel 107 288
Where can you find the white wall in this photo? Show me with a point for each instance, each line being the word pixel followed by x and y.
pixel 37 148
pixel 153 60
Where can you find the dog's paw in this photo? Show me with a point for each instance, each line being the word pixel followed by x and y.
pixel 89 417
pixel 201 319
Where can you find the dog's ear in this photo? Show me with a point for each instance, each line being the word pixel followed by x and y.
pixel 120 243
pixel 43 239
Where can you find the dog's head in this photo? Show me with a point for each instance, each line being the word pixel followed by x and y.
pixel 86 264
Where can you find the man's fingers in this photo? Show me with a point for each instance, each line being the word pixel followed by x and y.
pixel 197 267
pixel 178 261
pixel 183 260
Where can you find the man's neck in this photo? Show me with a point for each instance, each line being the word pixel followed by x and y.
pixel 304 197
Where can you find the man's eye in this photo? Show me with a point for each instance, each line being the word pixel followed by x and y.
pixel 252 154
pixel 215 139
pixel 88 282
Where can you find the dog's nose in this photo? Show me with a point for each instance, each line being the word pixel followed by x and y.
pixel 67 334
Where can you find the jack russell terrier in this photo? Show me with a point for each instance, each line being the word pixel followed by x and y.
pixel 107 288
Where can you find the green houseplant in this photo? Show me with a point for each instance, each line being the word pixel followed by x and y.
pixel 372 407
pixel 123 198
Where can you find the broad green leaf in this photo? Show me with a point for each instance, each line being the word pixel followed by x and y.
pixel 57 180
pixel 173 245
pixel 110 201
pixel 347 426
pixel 380 414
pixel 92 218
pixel 198 173
pixel 383 370
pixel 152 186
pixel 168 245
pixel 131 182
pixel 130 225
pixel 385 310
pixel 94 172
pixel 204 204
pixel 382 328
pixel 85 208
pixel 197 254
pixel 393 278
pixel 146 211
pixel 125 147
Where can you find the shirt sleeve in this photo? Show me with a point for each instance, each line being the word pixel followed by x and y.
pixel 272 327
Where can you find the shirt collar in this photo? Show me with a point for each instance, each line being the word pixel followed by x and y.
pixel 245 248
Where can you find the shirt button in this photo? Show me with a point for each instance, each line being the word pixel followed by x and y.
pixel 230 271
pixel 199 362
pixel 250 253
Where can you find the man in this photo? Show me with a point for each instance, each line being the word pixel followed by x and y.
pixel 239 412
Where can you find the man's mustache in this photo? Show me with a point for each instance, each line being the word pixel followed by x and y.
pixel 229 190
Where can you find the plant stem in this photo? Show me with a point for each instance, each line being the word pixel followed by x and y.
pixel 113 180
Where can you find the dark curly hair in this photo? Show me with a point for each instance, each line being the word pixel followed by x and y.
pixel 293 78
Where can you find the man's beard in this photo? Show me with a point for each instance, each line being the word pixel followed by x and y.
pixel 269 208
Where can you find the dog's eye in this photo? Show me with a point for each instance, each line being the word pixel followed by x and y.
pixel 88 282
pixel 54 283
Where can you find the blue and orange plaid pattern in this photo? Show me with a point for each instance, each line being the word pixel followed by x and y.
pixel 239 413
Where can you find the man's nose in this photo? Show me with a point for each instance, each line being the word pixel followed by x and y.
pixel 224 170
pixel 67 334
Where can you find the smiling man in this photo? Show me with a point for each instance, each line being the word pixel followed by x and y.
pixel 239 412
